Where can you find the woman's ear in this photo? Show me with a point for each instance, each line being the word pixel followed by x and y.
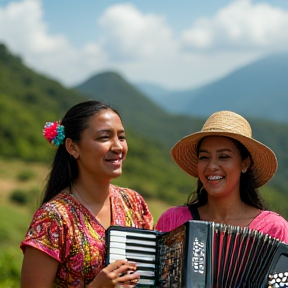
pixel 72 148
pixel 246 163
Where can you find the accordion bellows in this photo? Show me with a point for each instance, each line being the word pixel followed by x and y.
pixel 201 254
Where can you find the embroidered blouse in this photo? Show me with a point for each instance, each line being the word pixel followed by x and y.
pixel 267 222
pixel 64 229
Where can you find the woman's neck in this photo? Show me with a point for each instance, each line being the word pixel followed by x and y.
pixel 95 198
pixel 91 190
pixel 235 213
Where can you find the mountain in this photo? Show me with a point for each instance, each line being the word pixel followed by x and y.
pixel 152 91
pixel 28 100
pixel 138 112
pixel 258 90
pixel 149 120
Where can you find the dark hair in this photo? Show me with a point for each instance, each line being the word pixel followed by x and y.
pixel 248 193
pixel 64 167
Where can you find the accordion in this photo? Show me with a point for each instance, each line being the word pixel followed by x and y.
pixel 201 254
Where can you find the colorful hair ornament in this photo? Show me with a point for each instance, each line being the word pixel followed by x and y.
pixel 54 133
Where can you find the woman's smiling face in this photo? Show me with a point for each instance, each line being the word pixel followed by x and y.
pixel 220 165
pixel 103 146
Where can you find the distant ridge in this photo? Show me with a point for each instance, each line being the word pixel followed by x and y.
pixel 258 90
pixel 113 88
pixel 138 111
pixel 149 120
pixel 28 100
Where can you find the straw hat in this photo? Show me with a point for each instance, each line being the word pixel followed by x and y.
pixel 229 124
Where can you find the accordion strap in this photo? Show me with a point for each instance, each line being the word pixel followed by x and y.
pixel 194 212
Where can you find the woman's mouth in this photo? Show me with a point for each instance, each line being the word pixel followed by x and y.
pixel 118 159
pixel 214 178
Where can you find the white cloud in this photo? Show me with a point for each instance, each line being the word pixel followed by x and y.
pixel 23 30
pixel 143 47
pixel 21 25
pixel 129 34
pixel 240 25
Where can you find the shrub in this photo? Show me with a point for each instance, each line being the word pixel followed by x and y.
pixel 25 175
pixel 19 196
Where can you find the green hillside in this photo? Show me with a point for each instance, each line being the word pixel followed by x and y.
pixel 149 120
pixel 28 100
pixel 275 135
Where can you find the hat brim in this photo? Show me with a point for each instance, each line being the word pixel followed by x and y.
pixel 264 166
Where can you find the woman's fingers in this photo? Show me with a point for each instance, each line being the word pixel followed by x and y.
pixel 120 272
pixel 129 276
pixel 126 272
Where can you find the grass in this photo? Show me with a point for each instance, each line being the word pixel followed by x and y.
pixel 13 225
pixel 11 179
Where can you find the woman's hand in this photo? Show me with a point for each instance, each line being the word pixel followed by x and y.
pixel 120 272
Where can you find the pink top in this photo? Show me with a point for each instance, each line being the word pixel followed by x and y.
pixel 64 229
pixel 267 222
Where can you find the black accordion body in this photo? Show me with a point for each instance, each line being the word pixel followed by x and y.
pixel 201 254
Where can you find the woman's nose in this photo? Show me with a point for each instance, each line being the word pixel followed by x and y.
pixel 117 145
pixel 213 163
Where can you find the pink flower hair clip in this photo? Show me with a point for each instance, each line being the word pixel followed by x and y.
pixel 54 133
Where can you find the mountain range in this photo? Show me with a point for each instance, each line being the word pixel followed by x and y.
pixel 138 112
pixel 258 90
pixel 142 115
pixel 29 99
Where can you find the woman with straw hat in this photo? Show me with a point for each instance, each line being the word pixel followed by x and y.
pixel 230 165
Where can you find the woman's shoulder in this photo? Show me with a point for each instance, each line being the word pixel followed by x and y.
pixel 116 188
pixel 125 192
pixel 173 217
pixel 175 211
pixel 57 206
pixel 128 197
pixel 130 205
pixel 269 216
pixel 271 223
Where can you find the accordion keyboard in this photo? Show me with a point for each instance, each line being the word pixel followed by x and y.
pixel 135 247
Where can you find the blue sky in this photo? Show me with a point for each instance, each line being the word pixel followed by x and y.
pixel 177 44
pixel 176 13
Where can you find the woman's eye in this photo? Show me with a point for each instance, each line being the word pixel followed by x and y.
pixel 103 137
pixel 202 157
pixel 224 156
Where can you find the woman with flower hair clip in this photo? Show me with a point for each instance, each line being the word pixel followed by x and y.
pixel 65 243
